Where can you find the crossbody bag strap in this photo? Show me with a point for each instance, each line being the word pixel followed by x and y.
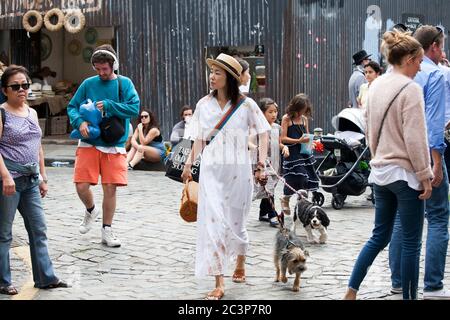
pixel 120 88
pixel 224 120
pixel 385 115
pixel 119 82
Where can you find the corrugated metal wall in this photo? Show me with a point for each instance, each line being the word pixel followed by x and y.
pixel 309 44
pixel 320 37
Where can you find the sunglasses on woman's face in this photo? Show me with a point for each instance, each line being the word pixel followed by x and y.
pixel 144 117
pixel 16 87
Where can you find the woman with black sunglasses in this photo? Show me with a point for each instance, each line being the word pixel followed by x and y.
pixel 147 142
pixel 23 181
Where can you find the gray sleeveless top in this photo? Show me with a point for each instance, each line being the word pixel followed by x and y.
pixel 21 140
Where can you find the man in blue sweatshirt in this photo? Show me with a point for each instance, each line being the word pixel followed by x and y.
pixel 95 157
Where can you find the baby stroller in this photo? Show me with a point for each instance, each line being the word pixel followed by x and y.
pixel 345 169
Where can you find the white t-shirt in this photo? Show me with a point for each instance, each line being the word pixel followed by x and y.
pixel 245 88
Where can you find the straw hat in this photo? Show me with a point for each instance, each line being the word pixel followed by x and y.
pixel 229 64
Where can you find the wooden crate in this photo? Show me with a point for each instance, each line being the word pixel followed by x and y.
pixel 58 125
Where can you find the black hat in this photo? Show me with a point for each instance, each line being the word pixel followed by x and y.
pixel 360 57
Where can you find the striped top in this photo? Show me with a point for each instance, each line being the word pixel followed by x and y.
pixel 21 140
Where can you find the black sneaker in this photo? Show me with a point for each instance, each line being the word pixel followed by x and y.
pixel 264 218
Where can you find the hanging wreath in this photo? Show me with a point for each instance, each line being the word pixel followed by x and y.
pixel 26 21
pixel 74 21
pixel 75 47
pixel 54 13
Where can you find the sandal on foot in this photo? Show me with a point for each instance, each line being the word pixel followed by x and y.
pixel 238 276
pixel 59 284
pixel 9 290
pixel 216 294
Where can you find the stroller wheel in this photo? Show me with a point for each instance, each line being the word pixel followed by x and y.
pixel 318 199
pixel 338 202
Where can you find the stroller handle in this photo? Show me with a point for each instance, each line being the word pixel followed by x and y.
pixel 349 171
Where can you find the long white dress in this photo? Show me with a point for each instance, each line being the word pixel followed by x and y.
pixel 226 183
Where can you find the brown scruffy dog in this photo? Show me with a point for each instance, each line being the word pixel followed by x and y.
pixel 289 256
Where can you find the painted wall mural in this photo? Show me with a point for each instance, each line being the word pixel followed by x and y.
pixel 373 26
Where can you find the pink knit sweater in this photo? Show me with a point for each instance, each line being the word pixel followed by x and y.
pixel 403 140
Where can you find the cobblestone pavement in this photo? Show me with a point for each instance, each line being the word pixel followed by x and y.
pixel 156 259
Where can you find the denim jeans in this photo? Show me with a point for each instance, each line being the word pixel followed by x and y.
pixel 437 214
pixel 390 199
pixel 27 200
pixel 265 207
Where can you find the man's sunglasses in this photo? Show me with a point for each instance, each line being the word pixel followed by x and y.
pixel 16 87
pixel 440 31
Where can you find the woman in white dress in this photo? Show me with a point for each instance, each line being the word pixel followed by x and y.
pixel 226 177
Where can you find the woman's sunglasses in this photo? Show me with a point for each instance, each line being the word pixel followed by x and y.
pixel 16 87
pixel 144 117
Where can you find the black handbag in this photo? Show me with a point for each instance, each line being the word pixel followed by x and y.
pixel 112 128
pixel 177 159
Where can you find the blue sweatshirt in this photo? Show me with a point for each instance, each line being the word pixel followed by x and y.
pixel 107 91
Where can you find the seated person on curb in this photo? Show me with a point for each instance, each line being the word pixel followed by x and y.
pixel 179 128
pixel 147 142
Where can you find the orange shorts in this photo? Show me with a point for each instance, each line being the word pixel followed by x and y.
pixel 91 163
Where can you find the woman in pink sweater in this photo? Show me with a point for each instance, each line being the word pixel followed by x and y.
pixel 401 171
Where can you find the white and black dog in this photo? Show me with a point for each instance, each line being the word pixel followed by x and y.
pixel 312 218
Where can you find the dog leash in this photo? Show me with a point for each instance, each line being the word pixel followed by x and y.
pixel 280 218
pixel 272 196
pixel 284 180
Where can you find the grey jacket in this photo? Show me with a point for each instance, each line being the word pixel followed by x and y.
pixel 356 81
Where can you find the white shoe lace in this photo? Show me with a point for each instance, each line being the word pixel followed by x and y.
pixel 86 219
pixel 110 234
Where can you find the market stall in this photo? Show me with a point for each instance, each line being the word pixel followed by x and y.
pixel 55 45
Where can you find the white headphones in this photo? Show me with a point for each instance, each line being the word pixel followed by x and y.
pixel 116 61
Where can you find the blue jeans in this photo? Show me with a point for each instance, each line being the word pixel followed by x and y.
pixel 27 200
pixel 437 213
pixel 396 197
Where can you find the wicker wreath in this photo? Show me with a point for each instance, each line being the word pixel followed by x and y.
pixel 26 21
pixel 49 25
pixel 74 21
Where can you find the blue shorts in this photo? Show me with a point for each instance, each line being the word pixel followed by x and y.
pixel 161 148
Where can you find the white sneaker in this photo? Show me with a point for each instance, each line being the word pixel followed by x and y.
pixel 436 295
pixel 109 238
pixel 89 219
pixel 395 290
